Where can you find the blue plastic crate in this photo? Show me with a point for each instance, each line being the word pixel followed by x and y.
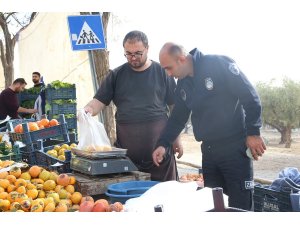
pixel 61 93
pixel 67 108
pixel 268 200
pixel 14 155
pixel 29 158
pixel 41 158
pixel 71 122
pixel 29 138
pixel 15 122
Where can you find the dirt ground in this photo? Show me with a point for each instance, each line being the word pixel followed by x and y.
pixel 275 159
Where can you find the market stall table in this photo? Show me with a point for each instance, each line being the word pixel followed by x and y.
pixel 97 185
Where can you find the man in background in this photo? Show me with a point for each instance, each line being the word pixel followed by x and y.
pixel 9 104
pixel 40 103
pixel 36 79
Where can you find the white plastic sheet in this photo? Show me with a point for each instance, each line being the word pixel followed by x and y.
pixel 175 197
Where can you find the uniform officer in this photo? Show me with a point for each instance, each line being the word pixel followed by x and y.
pixel 226 116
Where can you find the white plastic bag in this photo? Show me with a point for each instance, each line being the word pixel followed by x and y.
pixel 92 134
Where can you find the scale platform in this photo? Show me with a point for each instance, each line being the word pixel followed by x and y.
pixel 98 163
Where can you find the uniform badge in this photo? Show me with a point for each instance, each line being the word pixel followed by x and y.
pixel 209 84
pixel 234 69
pixel 183 94
pixel 249 185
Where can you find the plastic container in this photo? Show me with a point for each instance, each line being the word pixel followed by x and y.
pixel 61 93
pixel 267 200
pixel 67 108
pixel 121 192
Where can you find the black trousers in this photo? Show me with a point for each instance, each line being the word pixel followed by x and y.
pixel 225 164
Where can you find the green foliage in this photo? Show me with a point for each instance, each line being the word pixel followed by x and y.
pixel 64 101
pixel 33 90
pixel 281 103
pixel 58 84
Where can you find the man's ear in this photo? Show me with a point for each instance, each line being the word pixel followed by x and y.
pixel 182 59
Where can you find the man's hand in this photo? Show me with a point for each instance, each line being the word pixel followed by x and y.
pixel 88 109
pixel 32 111
pixel 158 155
pixel 177 147
pixel 256 145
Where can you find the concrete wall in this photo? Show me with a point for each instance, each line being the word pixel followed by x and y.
pixel 44 46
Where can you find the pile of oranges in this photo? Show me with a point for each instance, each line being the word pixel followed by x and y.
pixel 38 125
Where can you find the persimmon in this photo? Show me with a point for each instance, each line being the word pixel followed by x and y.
pixel 33 126
pixel 53 122
pixel 63 179
pixel 35 171
pixel 18 128
pixel 44 122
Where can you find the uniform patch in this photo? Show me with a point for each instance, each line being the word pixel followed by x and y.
pixel 234 69
pixel 209 84
pixel 249 185
pixel 183 94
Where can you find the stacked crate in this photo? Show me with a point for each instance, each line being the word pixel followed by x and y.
pixel 67 106
pixel 33 152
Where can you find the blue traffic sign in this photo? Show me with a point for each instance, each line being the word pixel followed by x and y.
pixel 86 32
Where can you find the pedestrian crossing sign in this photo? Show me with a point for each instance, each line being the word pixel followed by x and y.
pixel 86 32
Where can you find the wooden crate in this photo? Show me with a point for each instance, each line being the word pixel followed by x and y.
pixel 97 185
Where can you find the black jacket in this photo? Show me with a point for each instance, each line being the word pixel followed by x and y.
pixel 222 101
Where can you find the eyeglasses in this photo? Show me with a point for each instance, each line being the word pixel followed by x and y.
pixel 136 55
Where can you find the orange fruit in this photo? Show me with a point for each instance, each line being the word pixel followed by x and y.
pixel 70 188
pixel 21 190
pixel 72 180
pixel 15 171
pixel 4 183
pixel 61 207
pixel 53 122
pixel 3 195
pixel 63 179
pixel 18 128
pixel 20 182
pixel 3 174
pixel 35 171
pixel 33 126
pixel 44 122
pixel 76 197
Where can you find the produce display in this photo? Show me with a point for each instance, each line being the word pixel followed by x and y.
pixel 39 190
pixel 58 151
pixel 191 177
pixel 38 125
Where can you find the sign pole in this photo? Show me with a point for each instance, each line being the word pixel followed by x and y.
pixel 94 79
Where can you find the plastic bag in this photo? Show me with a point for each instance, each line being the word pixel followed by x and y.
pixel 92 135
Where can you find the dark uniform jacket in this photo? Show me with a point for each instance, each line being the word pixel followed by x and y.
pixel 222 101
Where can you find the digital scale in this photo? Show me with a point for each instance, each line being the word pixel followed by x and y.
pixel 102 162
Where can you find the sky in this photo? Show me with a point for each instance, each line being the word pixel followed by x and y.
pixel 261 36
pixel 263 39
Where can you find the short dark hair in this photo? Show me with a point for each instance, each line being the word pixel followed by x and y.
pixel 137 36
pixel 37 73
pixel 20 81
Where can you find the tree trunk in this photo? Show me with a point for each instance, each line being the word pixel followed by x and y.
pixel 288 138
pixel 9 75
pixel 283 138
pixel 101 62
